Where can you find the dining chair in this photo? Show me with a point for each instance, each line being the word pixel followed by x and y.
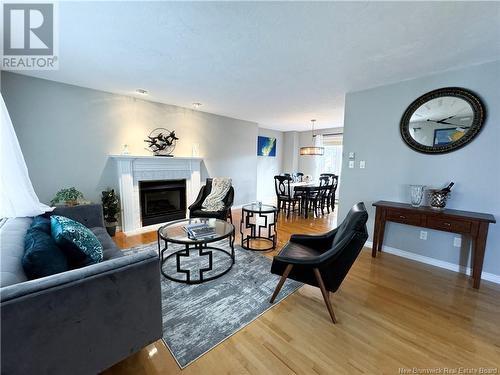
pixel 284 194
pixel 332 189
pixel 317 197
pixel 323 260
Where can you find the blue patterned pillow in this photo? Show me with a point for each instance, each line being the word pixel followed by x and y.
pixel 78 243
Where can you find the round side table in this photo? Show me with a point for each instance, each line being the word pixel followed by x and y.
pixel 258 222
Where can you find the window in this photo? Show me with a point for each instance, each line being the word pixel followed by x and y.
pixel 331 161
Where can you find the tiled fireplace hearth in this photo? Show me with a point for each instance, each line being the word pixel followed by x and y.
pixel 134 169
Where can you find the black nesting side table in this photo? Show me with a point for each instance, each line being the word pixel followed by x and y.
pixel 258 222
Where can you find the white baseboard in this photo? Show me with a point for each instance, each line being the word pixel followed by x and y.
pixel 435 262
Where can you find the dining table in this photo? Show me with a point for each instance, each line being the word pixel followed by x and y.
pixel 304 189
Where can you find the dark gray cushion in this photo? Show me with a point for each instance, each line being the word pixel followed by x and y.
pixel 110 250
pixel 89 215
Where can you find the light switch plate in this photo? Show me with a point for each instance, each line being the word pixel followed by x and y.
pixel 352 155
pixel 423 235
pixel 351 163
pixel 457 241
pixel 362 164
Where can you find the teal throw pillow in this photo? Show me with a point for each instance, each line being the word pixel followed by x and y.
pixel 41 256
pixel 41 223
pixel 77 242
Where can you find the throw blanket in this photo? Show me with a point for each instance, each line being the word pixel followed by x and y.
pixel 220 188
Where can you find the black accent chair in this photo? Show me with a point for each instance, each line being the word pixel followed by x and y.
pixel 323 260
pixel 285 195
pixel 195 210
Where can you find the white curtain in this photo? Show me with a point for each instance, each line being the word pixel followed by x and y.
pixel 17 197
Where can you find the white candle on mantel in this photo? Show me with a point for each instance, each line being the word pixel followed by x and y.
pixel 195 150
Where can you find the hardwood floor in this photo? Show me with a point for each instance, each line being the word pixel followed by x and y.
pixel 392 313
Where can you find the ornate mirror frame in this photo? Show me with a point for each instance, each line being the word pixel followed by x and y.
pixel 477 123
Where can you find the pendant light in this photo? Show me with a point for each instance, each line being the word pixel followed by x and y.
pixel 316 148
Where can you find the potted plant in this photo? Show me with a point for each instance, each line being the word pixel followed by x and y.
pixel 70 197
pixel 110 210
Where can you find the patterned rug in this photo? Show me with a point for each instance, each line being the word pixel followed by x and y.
pixel 196 318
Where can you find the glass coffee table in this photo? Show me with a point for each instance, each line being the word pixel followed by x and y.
pixel 258 225
pixel 196 256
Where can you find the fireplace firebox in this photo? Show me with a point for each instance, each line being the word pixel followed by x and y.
pixel 162 201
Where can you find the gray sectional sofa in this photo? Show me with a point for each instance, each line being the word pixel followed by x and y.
pixel 81 321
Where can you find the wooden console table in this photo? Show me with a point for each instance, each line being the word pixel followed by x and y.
pixel 472 224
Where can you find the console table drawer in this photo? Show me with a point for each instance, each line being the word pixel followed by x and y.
pixel 450 225
pixel 404 217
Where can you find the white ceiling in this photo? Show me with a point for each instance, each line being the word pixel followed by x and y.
pixel 279 64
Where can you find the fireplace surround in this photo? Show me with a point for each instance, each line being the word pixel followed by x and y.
pixel 133 169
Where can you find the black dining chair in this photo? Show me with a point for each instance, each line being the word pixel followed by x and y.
pixel 332 190
pixel 323 260
pixel 317 197
pixel 284 194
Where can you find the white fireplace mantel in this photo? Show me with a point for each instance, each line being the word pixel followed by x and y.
pixel 135 168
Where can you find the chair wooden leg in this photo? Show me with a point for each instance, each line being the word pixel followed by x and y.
pixel 281 282
pixel 325 294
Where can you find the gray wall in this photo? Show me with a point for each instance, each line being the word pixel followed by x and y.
pixel 67 132
pixel 371 129
pixel 268 167
pixel 291 152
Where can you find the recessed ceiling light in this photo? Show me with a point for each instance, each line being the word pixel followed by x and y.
pixel 197 105
pixel 141 91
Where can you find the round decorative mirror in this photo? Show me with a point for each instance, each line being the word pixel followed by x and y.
pixel 442 120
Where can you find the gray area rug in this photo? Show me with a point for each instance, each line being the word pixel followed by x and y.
pixel 196 318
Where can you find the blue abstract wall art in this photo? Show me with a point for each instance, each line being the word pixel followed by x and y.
pixel 266 146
